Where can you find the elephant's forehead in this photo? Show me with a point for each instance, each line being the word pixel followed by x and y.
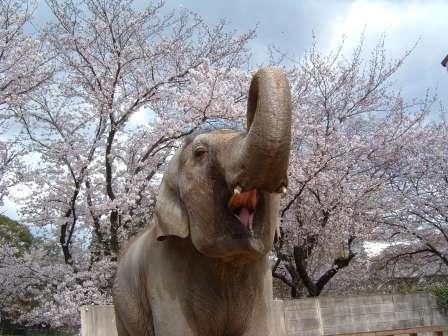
pixel 217 136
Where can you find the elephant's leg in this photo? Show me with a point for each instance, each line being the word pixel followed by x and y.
pixel 171 320
pixel 121 330
pixel 263 329
pixel 134 326
pixel 131 318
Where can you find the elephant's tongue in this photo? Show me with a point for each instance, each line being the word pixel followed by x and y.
pixel 246 218
pixel 243 206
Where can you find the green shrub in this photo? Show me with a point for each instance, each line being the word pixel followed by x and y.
pixel 441 294
pixel 15 234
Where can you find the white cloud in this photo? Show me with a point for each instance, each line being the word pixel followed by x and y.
pixel 402 21
pixel 142 117
pixel 12 204
pixel 376 16
pixel 374 248
pixel 9 209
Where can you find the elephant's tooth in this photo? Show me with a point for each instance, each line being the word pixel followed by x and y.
pixel 237 190
pixel 284 190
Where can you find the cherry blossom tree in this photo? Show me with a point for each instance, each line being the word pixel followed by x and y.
pixel 95 171
pixel 414 213
pixel 23 62
pixel 55 289
pixel 349 128
pixel 23 68
pixel 96 168
pixel 40 289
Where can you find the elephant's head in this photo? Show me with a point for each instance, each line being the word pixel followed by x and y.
pixel 222 188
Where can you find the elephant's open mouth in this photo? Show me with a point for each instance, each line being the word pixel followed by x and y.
pixel 243 207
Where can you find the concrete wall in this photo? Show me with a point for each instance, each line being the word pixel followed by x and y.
pixel 413 313
pixel 98 320
pixel 380 315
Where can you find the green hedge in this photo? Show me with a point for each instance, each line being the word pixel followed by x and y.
pixel 441 293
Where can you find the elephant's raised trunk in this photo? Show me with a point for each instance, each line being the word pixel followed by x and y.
pixel 264 152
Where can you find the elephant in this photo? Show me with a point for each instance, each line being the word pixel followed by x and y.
pixel 202 266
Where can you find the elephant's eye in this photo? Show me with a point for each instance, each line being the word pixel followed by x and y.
pixel 199 151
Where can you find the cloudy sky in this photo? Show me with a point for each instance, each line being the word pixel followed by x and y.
pixel 289 24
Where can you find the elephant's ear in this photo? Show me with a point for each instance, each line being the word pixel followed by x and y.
pixel 170 216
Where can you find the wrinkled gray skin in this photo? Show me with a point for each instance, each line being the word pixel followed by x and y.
pixel 194 271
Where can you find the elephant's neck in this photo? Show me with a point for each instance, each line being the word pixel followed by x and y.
pixel 209 289
pixel 228 271
pixel 225 276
